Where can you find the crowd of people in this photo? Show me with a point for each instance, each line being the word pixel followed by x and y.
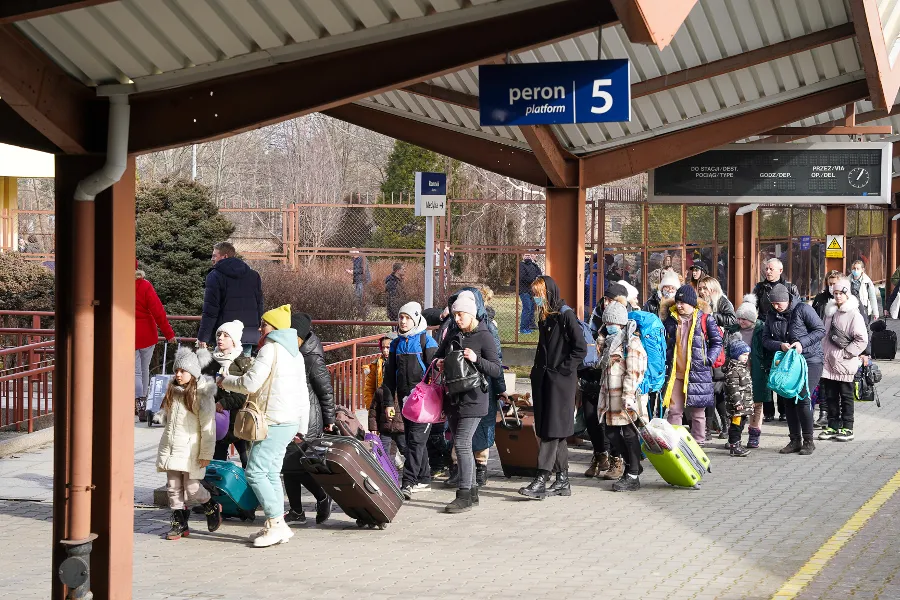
pixel 687 354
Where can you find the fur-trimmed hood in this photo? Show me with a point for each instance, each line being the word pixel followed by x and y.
pixel 666 305
pixel 852 304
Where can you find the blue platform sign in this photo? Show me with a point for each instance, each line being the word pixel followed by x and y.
pixel 805 241
pixel 590 91
pixel 431 194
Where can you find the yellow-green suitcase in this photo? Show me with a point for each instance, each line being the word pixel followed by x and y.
pixel 683 466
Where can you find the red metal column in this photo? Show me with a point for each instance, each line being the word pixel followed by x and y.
pixel 565 243
pixel 836 224
pixel 112 517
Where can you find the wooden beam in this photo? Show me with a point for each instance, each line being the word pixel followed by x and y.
pixel 16 131
pixel 436 92
pixel 883 79
pixel 850 115
pixel 499 158
pixel 866 117
pixel 651 21
pixel 618 163
pixel 743 60
pixel 239 103
pixel 41 93
pixel 831 130
pixel 21 10
pixel 559 164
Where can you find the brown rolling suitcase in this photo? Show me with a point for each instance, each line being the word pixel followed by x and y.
pixel 351 475
pixel 517 443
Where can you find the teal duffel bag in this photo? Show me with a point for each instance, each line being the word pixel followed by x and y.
pixel 789 377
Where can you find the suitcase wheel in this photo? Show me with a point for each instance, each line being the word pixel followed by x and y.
pixel 360 523
pixel 382 526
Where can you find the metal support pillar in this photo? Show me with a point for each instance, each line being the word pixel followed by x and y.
pixel 112 516
pixel 9 215
pixel 893 246
pixel 93 481
pixel 565 243
pixel 429 262
pixel 836 224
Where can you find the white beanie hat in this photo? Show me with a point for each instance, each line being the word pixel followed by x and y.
pixel 412 309
pixel 465 302
pixel 670 279
pixel 234 329
pixel 632 295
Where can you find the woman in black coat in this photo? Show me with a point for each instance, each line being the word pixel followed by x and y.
pixel 466 410
pixel 554 378
pixel 793 323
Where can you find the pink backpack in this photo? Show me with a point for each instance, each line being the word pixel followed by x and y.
pixel 425 403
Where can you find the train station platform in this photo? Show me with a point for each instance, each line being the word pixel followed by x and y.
pixel 758 528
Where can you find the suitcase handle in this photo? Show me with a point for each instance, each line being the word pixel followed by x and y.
pixel 503 422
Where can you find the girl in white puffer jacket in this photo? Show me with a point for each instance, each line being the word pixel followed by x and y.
pixel 186 446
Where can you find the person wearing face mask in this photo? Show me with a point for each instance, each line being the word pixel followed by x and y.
pixel 554 377
pixel 820 302
pixel 863 288
pixel 846 340
pixel 793 323
pixel 623 363
pixel 407 362
pixel 466 410
pixel 692 348
pixel 668 285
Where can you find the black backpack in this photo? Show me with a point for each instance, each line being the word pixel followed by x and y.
pixel 864 384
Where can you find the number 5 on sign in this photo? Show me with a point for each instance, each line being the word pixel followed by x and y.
pixel 603 95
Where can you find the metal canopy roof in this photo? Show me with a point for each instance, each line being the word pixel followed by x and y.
pixel 715 29
pixel 158 44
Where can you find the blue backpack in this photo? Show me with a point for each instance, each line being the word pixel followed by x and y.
pixel 653 338
pixel 591 358
pixel 788 377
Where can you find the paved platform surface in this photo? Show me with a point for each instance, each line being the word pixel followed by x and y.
pixel 752 525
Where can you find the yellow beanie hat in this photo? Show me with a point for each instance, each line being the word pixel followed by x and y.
pixel 279 318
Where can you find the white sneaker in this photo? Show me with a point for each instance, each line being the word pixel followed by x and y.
pixel 261 532
pixel 278 533
pixel 421 487
pixel 399 461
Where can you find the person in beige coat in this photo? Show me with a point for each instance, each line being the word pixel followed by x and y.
pixel 846 337
pixel 623 362
pixel 187 443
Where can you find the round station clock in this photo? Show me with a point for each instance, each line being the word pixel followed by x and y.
pixel 859 177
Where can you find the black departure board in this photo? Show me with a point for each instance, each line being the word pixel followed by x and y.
pixel 790 170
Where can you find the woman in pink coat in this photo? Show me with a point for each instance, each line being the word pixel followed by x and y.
pixel 149 318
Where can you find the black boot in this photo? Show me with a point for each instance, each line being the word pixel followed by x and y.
pixel 453 480
pixel 808 446
pixel 213 512
pixel 179 527
pixel 738 450
pixel 323 510
pixel 187 529
pixel 474 491
pixel 480 474
pixel 537 489
pixel 462 503
pixel 793 446
pixel 561 486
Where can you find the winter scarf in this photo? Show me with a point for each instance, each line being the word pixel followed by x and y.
pixel 615 344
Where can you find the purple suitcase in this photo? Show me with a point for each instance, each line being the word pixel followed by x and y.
pixel 383 457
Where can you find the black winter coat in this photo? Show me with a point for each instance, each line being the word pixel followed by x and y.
pixel 762 290
pixel 473 403
pixel 393 296
pixel 652 305
pixel 528 272
pixel 724 314
pixel 318 381
pixel 820 302
pixel 554 377
pixel 799 323
pixel 233 293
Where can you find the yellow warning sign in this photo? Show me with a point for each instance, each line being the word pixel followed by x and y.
pixel 834 246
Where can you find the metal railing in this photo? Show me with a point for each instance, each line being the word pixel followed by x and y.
pixel 26 367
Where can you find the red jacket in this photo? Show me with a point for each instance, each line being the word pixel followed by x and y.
pixel 149 314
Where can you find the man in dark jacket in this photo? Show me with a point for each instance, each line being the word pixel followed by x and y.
pixel 793 323
pixel 321 418
pixel 528 272
pixel 774 270
pixel 233 293
pixel 393 291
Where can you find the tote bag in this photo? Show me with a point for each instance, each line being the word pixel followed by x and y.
pixel 425 403
pixel 789 377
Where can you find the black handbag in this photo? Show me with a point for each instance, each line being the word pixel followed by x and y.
pixel 460 375
pixel 839 338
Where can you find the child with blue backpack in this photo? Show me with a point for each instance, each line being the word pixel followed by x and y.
pixel 407 362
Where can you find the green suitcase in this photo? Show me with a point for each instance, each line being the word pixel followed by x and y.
pixel 683 466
